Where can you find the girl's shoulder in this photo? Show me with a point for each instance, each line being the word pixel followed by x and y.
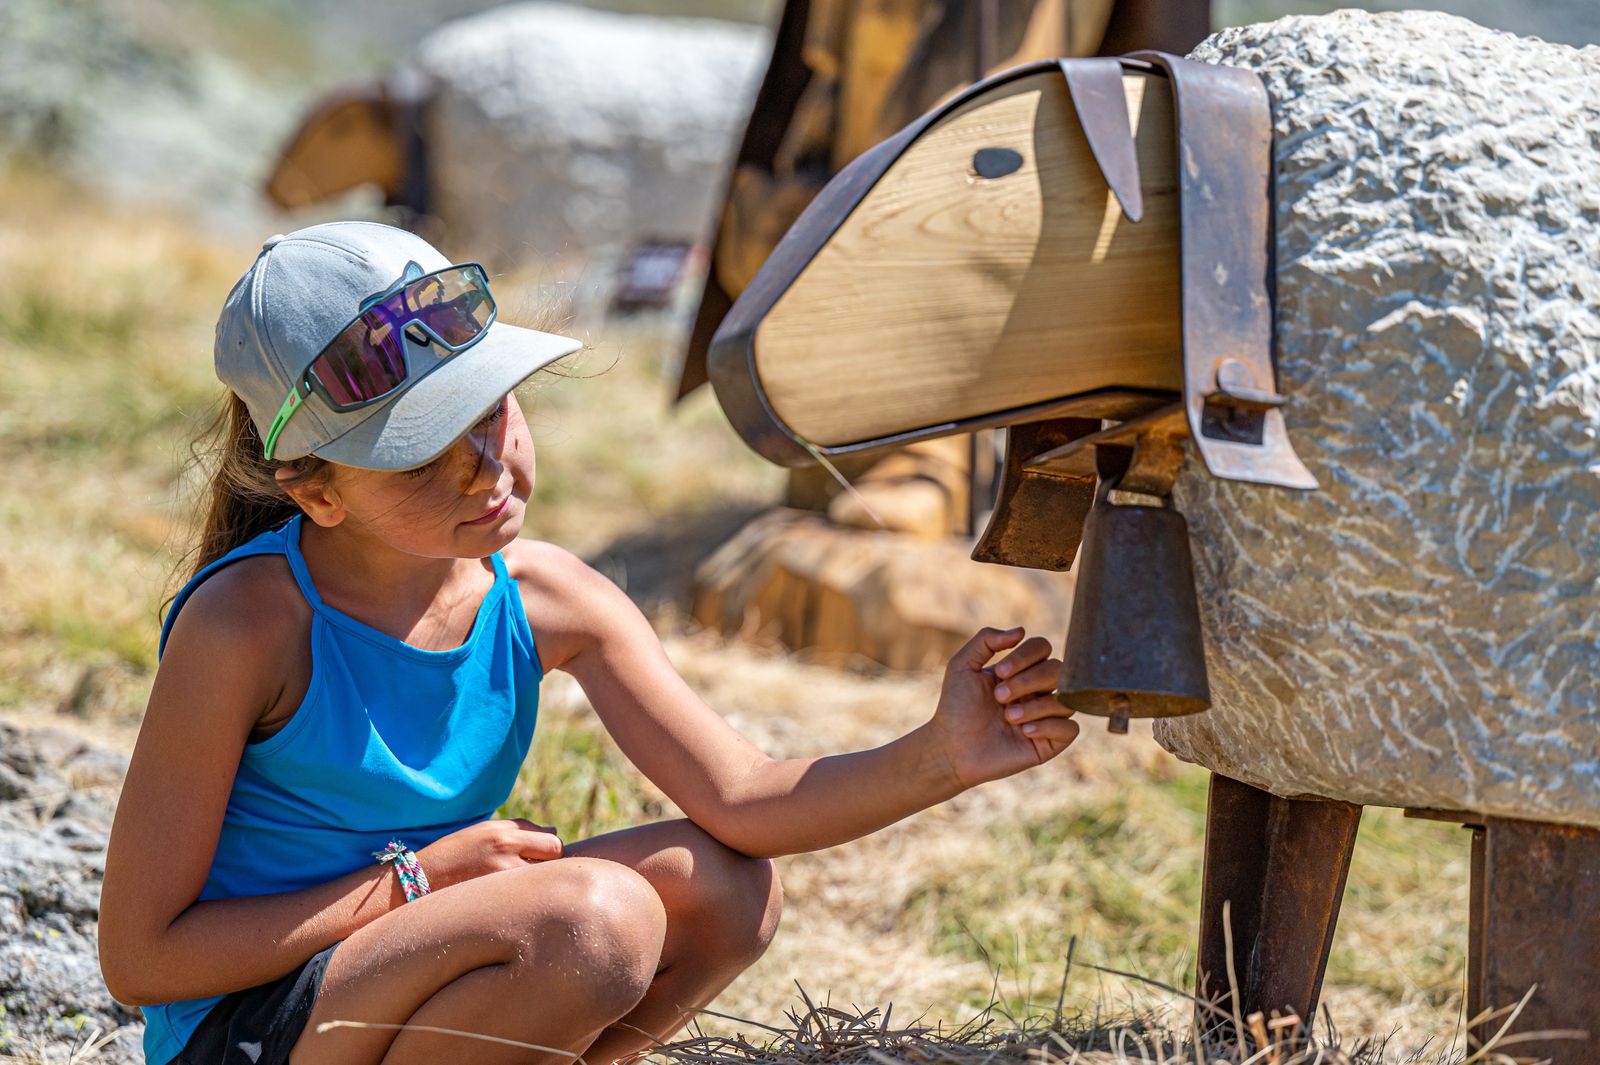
pixel 240 641
pixel 253 602
pixel 566 599
pixel 540 567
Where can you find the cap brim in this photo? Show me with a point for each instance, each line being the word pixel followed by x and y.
pixel 426 418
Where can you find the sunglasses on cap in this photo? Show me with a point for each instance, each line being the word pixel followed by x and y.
pixel 367 360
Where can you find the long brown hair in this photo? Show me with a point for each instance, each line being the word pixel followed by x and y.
pixel 244 496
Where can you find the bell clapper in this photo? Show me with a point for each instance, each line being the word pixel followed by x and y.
pixel 1118 721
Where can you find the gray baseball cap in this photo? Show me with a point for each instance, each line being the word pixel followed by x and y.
pixel 302 290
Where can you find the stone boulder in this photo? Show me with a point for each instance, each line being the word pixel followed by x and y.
pixel 1424 630
pixel 558 132
pixel 137 101
pixel 57 797
pixel 793 578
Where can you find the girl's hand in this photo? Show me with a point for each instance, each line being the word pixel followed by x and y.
pixel 993 721
pixel 486 847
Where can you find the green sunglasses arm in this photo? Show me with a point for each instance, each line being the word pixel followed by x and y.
pixel 290 405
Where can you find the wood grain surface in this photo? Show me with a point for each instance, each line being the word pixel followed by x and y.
pixel 945 295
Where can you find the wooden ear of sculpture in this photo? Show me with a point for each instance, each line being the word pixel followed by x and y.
pixel 358 135
pixel 1030 253
pixel 1097 95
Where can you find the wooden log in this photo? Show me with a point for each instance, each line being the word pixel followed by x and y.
pixel 794 579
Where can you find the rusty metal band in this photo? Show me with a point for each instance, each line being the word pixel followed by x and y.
pixel 1224 157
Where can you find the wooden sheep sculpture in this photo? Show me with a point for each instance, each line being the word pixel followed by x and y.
pixel 1333 293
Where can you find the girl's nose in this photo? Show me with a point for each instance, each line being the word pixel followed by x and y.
pixel 485 449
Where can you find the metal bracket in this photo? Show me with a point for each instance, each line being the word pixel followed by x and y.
pixel 1051 469
pixel 1148 453
pixel 1224 153
pixel 1038 514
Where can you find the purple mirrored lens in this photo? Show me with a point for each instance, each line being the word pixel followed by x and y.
pixel 453 304
pixel 367 360
pixel 363 362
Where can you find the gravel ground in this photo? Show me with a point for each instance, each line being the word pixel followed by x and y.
pixel 57 796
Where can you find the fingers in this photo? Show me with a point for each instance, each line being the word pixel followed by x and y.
pixel 1057 732
pixel 541 847
pixel 1035 708
pixel 1039 677
pixel 1032 651
pixel 976 652
pixel 540 842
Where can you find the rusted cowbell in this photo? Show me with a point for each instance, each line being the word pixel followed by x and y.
pixel 1133 644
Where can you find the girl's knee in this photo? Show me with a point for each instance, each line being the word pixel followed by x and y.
pixel 622 926
pixel 612 890
pixel 763 901
pixel 617 913
pixel 740 897
pixel 582 931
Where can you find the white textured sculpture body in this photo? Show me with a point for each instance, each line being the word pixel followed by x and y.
pixel 559 131
pixel 1425 629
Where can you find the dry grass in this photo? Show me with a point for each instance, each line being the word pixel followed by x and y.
pixel 969 907
pixel 973 904
pixel 102 338
pixel 819 1034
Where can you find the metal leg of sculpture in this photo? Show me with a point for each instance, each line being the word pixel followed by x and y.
pixel 1279 865
pixel 1535 922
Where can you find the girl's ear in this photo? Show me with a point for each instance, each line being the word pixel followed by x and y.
pixel 316 496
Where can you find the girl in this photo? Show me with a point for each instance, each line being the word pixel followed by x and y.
pixel 349 681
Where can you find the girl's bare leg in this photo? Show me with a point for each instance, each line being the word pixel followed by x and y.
pixel 600 953
pixel 722 910
pixel 551 953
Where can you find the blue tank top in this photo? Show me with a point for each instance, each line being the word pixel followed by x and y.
pixel 389 740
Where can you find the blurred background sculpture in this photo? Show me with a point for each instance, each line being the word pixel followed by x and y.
pixel 540 134
pixel 1419 632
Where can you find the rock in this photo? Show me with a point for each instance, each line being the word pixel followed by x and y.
pixel 54 839
pixel 121 98
pixel 557 132
pixel 1425 629
pixel 792 577
pixel 12 784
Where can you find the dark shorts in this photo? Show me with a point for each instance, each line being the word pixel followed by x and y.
pixel 258 1025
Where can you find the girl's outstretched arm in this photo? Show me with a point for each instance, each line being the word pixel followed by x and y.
pixel 990 722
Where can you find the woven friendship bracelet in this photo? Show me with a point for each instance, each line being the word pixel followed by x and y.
pixel 413 881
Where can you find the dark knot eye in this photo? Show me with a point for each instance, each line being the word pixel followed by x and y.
pixel 996 162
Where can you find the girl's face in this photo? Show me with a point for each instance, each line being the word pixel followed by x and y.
pixel 467 503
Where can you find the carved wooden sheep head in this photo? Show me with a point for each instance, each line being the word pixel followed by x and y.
pixel 1078 250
